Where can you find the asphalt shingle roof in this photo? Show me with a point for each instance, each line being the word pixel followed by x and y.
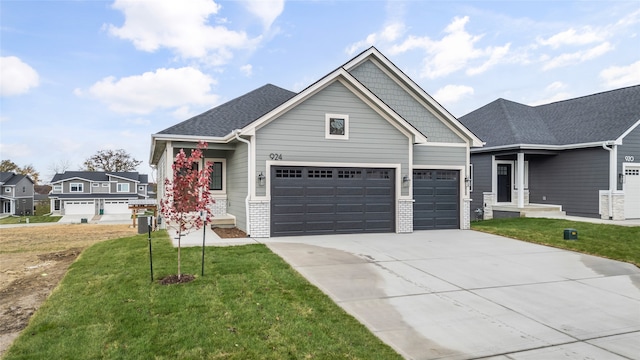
pixel 99 176
pixel 593 118
pixel 235 114
pixel 10 178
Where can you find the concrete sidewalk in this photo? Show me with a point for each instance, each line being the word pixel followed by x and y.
pixel 452 294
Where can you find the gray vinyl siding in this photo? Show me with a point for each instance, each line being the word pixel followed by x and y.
pixel 237 185
pixel 132 187
pixel 299 135
pixel 439 155
pixel 573 179
pixel 482 168
pixel 403 103
pixel 66 187
pixel 630 147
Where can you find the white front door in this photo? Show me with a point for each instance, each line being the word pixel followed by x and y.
pixel 632 192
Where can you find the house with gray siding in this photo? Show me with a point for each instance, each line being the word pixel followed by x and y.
pixel 579 156
pixel 96 192
pixel 16 194
pixel 363 149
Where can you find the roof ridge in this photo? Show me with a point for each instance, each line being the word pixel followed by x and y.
pixel 588 95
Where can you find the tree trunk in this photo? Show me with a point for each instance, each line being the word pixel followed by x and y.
pixel 179 238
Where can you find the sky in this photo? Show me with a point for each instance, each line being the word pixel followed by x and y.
pixel 77 77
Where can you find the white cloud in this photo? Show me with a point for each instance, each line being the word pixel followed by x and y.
pixel 16 77
pixel 266 10
pixel 453 52
pixel 247 70
pixel 621 76
pixel 16 151
pixel 556 85
pixel 164 88
pixel 550 99
pixel 182 28
pixel 389 33
pixel 578 56
pixel 452 93
pixel 585 36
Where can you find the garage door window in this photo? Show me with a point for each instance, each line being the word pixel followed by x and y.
pixel 320 174
pixel 288 173
pixel 349 174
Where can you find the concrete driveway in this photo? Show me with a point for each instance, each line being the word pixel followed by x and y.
pixel 452 294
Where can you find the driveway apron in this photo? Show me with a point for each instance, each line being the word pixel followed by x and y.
pixel 455 294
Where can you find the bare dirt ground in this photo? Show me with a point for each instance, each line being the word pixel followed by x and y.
pixel 32 262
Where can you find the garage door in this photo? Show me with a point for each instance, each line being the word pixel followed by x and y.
pixel 437 199
pixel 79 207
pixel 632 192
pixel 116 207
pixel 319 200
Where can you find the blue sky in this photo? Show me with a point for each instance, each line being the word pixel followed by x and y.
pixel 82 76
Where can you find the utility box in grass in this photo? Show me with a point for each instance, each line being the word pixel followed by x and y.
pixel 570 234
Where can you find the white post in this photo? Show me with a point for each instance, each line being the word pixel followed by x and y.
pixel 520 180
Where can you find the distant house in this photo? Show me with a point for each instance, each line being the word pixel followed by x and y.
pixel 96 193
pixel 363 149
pixel 581 155
pixel 16 194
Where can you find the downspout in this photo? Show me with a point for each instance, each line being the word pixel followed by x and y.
pixel 612 174
pixel 236 132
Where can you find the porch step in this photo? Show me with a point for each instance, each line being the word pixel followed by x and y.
pixel 534 210
pixel 223 221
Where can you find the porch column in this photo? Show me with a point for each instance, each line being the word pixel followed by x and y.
pixel 520 180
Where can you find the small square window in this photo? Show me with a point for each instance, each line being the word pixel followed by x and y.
pixel 336 126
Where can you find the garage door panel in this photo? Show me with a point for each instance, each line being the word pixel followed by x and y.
pixel 287 191
pixel 79 207
pixel 334 200
pixel 436 195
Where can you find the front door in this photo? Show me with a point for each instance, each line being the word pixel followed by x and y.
pixel 7 207
pixel 504 183
pixel 632 192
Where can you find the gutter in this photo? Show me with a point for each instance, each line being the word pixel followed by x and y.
pixel 613 162
pixel 249 177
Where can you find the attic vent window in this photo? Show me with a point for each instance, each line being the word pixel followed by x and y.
pixel 336 126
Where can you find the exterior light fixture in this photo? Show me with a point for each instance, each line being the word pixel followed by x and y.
pixel 405 179
pixel 261 179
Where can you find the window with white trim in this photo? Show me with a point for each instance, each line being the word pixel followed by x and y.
pixel 95 184
pixel 57 188
pixel 336 126
pixel 105 184
pixel 122 187
pixel 76 187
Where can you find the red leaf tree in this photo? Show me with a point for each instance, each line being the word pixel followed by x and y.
pixel 186 204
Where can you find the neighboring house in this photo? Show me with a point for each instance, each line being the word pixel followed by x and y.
pixel 96 193
pixel 16 194
pixel 582 155
pixel 363 149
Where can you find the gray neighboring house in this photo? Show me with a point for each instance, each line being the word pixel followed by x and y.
pixel 95 192
pixel 363 149
pixel 581 156
pixel 16 194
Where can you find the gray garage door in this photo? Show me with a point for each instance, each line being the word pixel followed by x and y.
pixel 320 200
pixel 437 199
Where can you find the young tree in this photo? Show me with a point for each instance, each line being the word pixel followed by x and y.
pixel 186 203
pixel 111 160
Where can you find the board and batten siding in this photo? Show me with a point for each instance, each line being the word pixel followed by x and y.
pixel 482 168
pixel 299 135
pixel 630 148
pixel 237 184
pixel 403 103
pixel 573 179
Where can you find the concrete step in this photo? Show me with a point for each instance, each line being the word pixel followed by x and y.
pixel 223 221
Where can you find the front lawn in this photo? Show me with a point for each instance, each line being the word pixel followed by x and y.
pixel 32 219
pixel 249 305
pixel 610 241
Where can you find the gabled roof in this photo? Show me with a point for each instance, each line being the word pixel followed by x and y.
pixel 596 118
pixel 235 114
pixel 8 178
pixel 252 110
pixel 99 176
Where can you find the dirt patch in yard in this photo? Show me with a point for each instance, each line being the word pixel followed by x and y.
pixel 226 233
pixel 33 260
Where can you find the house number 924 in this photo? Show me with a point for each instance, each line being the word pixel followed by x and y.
pixel 275 156
pixel 629 158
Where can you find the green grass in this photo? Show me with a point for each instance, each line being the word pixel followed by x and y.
pixel 32 219
pixel 249 305
pixel 610 241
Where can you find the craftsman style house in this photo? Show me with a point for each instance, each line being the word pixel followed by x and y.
pixel 96 193
pixel 579 156
pixel 16 194
pixel 363 149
